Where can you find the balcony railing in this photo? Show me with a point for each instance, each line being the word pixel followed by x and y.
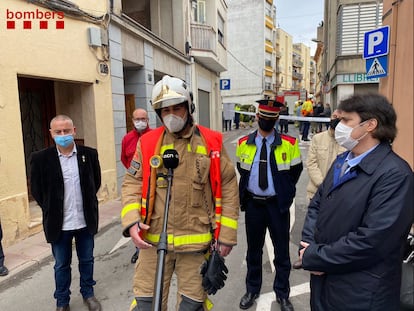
pixel 297 76
pixel 203 37
pixel 297 63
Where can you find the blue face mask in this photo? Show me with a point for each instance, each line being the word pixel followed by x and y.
pixel 64 140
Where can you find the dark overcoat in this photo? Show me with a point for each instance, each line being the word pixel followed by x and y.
pixel 46 182
pixel 356 230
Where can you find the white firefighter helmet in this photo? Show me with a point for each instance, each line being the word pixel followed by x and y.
pixel 170 91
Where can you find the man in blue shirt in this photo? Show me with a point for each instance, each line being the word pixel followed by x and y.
pixel 358 220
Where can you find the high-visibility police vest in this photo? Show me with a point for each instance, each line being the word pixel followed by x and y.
pixel 285 164
pixel 152 142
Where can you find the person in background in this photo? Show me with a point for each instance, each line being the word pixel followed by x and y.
pixel 129 142
pixel 306 111
pixel 203 165
pixel 129 145
pixel 64 181
pixel 322 152
pixel 326 113
pixel 317 112
pixel 284 124
pixel 298 108
pixel 269 164
pixel 237 116
pixel 358 220
pixel 3 269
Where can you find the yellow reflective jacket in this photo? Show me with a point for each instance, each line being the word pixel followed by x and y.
pixel 286 166
pixel 192 210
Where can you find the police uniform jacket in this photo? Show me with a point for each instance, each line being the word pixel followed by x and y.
pixel 46 182
pixel 285 162
pixel 356 226
pixel 191 210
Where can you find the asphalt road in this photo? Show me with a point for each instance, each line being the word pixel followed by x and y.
pixel 33 290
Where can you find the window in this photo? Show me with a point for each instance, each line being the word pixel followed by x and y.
pixel 220 29
pixel 268 86
pixel 200 11
pixel 353 22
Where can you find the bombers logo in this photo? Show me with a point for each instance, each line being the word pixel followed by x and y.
pixel 28 18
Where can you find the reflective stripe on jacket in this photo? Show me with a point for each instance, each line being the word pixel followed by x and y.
pixel 192 212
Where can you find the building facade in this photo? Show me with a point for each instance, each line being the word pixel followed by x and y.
pixel 345 23
pixel 283 61
pixel 301 67
pixel 54 60
pixel 397 86
pixel 343 68
pixel 251 51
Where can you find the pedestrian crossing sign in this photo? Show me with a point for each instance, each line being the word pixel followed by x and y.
pixel 376 67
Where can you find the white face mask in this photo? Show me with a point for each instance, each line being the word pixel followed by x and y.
pixel 174 123
pixel 343 135
pixel 140 125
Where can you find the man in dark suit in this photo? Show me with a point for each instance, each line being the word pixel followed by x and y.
pixel 357 223
pixel 64 181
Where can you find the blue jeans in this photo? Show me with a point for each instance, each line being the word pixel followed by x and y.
pixel 62 252
pixel 305 132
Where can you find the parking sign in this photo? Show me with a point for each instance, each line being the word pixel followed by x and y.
pixel 376 42
pixel 225 84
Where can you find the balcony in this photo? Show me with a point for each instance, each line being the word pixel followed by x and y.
pixel 297 63
pixel 278 54
pixel 297 75
pixel 205 48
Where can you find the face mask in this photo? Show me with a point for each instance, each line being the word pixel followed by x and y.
pixel 140 125
pixel 343 136
pixel 266 125
pixel 63 140
pixel 174 123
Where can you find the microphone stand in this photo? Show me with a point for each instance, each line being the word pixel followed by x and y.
pixel 162 249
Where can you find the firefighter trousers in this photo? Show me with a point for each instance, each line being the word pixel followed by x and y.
pixel 186 266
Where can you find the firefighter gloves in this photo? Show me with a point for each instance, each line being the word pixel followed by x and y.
pixel 214 273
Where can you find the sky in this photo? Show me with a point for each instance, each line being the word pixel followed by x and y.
pixel 300 19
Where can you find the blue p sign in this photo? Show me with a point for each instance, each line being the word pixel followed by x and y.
pixel 225 84
pixel 376 42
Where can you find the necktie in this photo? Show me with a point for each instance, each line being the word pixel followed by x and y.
pixel 344 168
pixel 263 166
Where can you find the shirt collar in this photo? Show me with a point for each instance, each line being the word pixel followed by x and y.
pixel 353 161
pixel 74 151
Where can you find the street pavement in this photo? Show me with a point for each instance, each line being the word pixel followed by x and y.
pixel 26 258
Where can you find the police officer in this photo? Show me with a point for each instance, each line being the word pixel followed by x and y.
pixel 270 165
pixel 192 213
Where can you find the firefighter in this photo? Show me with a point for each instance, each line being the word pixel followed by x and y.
pixel 204 181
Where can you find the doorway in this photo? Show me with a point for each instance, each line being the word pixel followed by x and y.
pixel 37 108
pixel 204 108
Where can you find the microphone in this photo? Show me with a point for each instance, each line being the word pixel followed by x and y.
pixel 170 159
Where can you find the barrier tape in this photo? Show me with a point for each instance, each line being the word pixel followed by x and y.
pixel 290 118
